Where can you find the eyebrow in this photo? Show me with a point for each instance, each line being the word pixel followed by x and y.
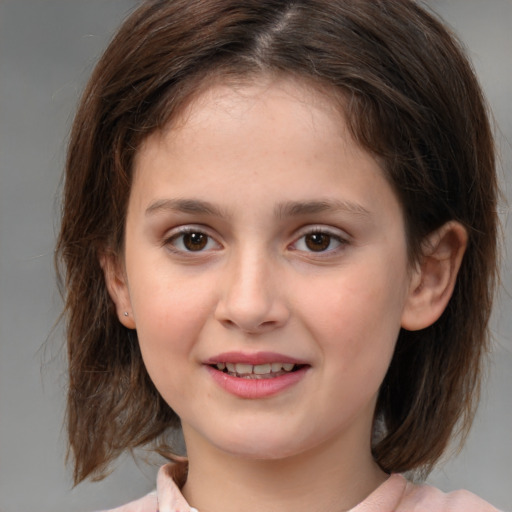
pixel 185 206
pixel 282 210
pixel 297 208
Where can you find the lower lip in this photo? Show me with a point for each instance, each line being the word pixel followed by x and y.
pixel 256 388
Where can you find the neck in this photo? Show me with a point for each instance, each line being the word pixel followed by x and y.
pixel 331 478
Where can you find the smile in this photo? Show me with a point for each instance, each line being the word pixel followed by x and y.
pixel 257 371
pixel 256 376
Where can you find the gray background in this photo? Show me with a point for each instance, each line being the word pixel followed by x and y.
pixel 47 49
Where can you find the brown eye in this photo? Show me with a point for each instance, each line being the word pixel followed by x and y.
pixel 317 242
pixel 195 241
pixel 191 240
pixel 320 241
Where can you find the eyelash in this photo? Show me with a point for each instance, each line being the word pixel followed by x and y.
pixel 324 232
pixel 204 240
pixel 170 242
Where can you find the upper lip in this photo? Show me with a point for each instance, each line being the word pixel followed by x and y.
pixel 254 359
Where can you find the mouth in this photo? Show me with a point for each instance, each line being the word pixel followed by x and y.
pixel 256 375
pixel 257 371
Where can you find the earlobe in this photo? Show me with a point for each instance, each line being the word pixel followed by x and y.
pixel 117 287
pixel 434 278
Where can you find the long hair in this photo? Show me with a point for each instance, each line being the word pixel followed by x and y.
pixel 410 98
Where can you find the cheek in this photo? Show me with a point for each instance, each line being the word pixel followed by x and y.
pixel 358 318
pixel 169 323
pixel 169 314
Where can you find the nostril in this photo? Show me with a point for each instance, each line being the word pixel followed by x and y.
pixel 247 326
pixel 250 310
pixel 228 323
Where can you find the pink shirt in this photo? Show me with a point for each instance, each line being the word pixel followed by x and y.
pixel 396 494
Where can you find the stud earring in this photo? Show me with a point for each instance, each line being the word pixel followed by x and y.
pixel 126 313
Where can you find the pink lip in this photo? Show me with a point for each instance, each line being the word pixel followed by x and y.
pixel 256 358
pixel 255 388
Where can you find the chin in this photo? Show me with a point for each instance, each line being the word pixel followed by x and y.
pixel 263 446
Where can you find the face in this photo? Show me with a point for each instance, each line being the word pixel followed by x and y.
pixel 265 271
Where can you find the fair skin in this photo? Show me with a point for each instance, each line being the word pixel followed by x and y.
pixel 259 232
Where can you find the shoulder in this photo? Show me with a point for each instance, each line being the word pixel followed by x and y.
pixel 167 495
pixel 147 503
pixel 425 498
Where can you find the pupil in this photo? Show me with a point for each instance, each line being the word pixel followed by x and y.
pixel 318 241
pixel 195 241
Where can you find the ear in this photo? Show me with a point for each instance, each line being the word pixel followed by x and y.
pixel 117 286
pixel 433 279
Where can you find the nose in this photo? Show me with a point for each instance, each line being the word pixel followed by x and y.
pixel 251 298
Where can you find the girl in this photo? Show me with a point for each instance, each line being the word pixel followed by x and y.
pixel 279 235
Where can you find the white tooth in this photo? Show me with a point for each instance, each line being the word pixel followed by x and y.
pixel 260 369
pixel 276 367
pixel 220 366
pixel 230 367
pixel 243 368
pixel 288 366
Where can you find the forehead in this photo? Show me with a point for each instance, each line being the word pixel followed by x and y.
pixel 267 142
pixel 221 89
pixel 247 103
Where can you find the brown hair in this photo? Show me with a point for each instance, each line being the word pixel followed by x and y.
pixel 411 99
